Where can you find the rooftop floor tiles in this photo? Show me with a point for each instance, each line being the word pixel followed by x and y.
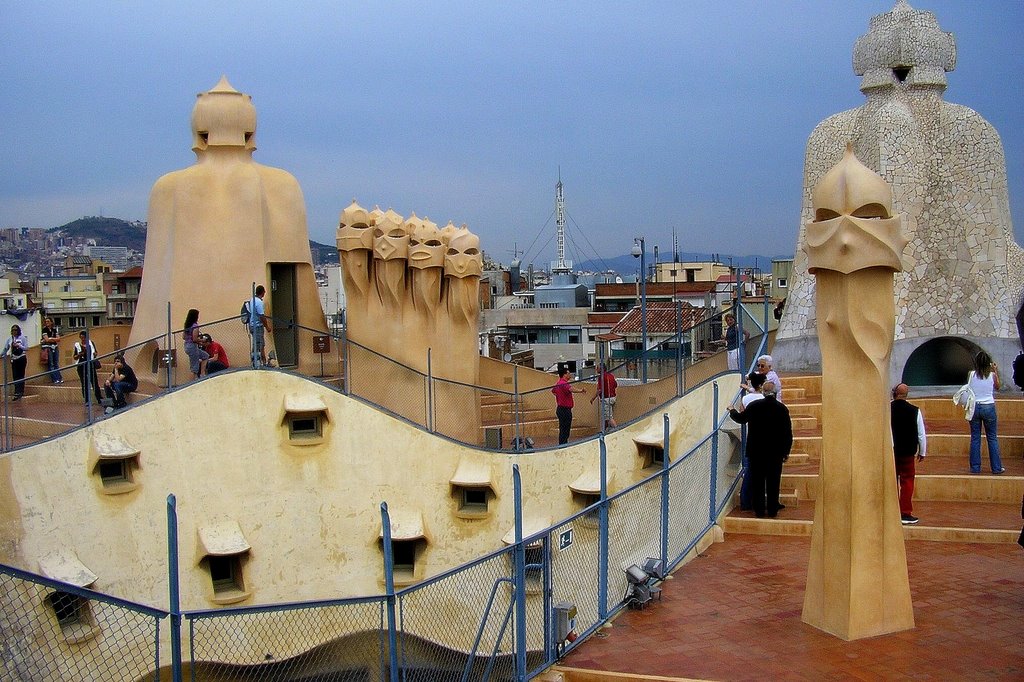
pixel 733 613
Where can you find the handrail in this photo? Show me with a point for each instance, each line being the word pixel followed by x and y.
pixel 483 624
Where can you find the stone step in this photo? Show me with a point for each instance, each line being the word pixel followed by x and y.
pixel 809 445
pixel 1011 446
pixel 790 498
pixel 805 410
pixel 810 385
pixel 69 394
pixel 792 394
pixel 804 423
pixel 506 413
pixel 797 459
pixel 1010 408
pixel 934 488
pixel 940 521
pixel 541 428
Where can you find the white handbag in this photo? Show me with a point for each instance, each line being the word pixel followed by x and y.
pixel 965 398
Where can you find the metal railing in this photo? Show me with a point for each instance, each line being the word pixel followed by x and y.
pixel 439 405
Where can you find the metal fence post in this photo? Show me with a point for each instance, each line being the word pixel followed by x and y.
pixel 714 456
pixel 389 588
pixel 516 412
pixel 520 577
pixel 174 605
pixel 741 343
pixel 346 358
pixel 665 462
pixel 601 369
pixel 8 418
pixel 679 348
pixel 254 357
pixel 169 347
pixel 88 357
pixel 602 537
pixel 430 394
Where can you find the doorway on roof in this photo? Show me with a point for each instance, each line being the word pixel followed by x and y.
pixel 944 361
pixel 283 304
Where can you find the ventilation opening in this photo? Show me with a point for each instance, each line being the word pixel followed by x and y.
pixel 945 361
pixel 227 578
pixel 589 502
pixel 73 615
pixel 473 500
pixel 404 554
pixel 653 455
pixel 901 73
pixel 115 472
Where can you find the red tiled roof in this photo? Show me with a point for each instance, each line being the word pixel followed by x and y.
pixel 604 317
pixel 134 273
pixel 661 318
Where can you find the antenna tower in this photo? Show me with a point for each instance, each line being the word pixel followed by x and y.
pixel 562 265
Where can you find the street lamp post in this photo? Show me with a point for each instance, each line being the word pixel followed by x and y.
pixel 639 251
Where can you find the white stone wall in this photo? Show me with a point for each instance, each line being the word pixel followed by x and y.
pixel 964 271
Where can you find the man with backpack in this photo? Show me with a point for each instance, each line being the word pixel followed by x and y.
pixel 255 317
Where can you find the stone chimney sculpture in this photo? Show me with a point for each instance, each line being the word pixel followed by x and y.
pixel 857 584
pixel 964 279
pixel 413 294
pixel 221 225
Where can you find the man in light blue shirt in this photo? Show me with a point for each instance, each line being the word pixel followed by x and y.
pixel 259 323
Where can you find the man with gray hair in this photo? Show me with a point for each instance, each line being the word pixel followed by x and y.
pixel 909 443
pixel 769 440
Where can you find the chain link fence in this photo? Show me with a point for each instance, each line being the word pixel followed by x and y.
pixel 344 641
pixel 461 625
pixel 51 630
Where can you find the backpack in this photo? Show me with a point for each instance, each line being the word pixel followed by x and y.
pixel 244 314
pixel 1018 371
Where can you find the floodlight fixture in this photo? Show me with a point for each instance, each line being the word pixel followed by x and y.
pixel 636 575
pixel 654 568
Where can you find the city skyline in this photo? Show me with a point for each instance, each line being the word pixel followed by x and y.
pixel 689 117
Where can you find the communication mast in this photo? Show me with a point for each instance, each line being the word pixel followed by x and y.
pixel 561 266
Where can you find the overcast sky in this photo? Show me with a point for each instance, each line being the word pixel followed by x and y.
pixel 691 115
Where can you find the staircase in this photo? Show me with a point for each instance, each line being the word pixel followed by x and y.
pixel 497 411
pixel 49 409
pixel 953 504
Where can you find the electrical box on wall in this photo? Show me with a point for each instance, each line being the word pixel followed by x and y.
pixel 565 620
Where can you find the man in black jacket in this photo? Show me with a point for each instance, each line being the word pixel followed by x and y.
pixel 769 440
pixel 908 443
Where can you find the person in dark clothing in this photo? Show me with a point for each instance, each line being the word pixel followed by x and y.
pixel 1018 370
pixel 87 365
pixel 122 381
pixel 909 443
pixel 769 441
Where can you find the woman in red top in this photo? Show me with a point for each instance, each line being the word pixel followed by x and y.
pixel 563 391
